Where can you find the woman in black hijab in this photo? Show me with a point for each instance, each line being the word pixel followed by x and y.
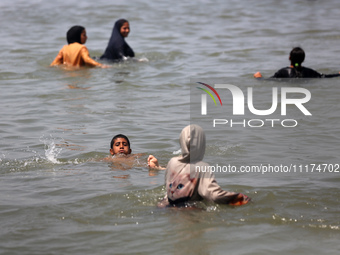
pixel 117 48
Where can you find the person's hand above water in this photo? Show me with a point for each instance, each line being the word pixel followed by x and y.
pixel 240 200
pixel 257 75
pixel 153 163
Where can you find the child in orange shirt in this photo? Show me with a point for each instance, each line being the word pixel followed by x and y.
pixel 75 53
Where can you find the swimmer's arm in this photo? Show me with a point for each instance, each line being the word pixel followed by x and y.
pixel 88 60
pixel 58 59
pixel 331 75
pixel 259 76
pixel 210 190
pixel 153 163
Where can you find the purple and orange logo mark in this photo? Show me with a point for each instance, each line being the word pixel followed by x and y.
pixel 204 97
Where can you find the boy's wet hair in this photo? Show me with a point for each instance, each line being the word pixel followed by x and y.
pixel 119 136
pixel 297 56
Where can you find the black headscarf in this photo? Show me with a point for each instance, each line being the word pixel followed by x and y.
pixel 117 47
pixel 74 33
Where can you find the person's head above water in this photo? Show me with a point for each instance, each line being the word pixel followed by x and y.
pixel 117 48
pixel 296 57
pixel 120 144
pixel 76 34
pixel 124 27
pixel 192 142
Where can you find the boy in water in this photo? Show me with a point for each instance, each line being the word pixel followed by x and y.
pixel 121 153
pixel 120 144
pixel 120 149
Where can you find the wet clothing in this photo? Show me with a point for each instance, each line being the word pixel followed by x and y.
pixel 117 49
pixel 74 54
pixel 302 72
pixel 205 185
pixel 187 177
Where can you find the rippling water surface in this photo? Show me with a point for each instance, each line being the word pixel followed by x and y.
pixel 59 197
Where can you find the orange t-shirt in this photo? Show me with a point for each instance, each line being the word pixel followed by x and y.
pixel 74 54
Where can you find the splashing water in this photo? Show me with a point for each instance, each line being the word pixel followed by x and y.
pixel 177 152
pixel 51 151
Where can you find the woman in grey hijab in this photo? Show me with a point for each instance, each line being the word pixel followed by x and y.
pixel 184 183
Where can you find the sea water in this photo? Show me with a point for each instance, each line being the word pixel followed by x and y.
pixel 59 197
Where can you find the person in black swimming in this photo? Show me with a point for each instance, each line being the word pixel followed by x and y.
pixel 118 49
pixel 296 70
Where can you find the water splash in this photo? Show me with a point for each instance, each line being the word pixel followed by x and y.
pixel 51 151
pixel 178 152
pixel 143 59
